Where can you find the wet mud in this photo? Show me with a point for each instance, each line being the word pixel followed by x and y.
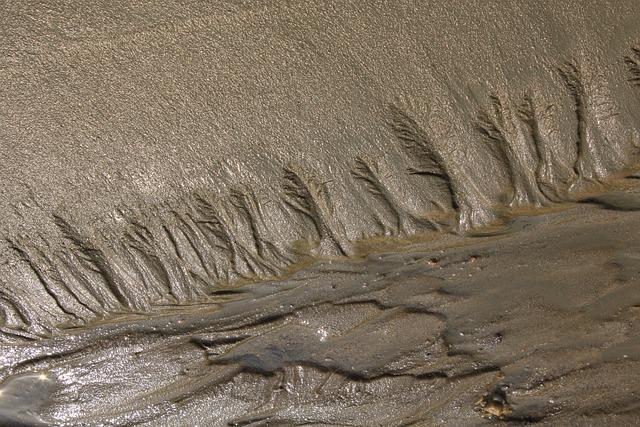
pixel 355 213
pixel 535 325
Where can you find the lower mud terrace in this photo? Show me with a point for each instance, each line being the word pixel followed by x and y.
pixel 538 323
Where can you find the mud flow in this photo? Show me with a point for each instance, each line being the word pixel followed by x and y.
pixel 270 213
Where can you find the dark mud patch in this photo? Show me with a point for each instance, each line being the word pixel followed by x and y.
pixel 618 200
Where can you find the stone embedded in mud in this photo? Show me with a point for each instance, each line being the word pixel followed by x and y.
pixel 22 397
pixel 494 403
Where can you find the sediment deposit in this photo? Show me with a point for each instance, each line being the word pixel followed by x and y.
pixel 343 213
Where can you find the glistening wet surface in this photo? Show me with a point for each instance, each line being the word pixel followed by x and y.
pixel 188 189
pixel 539 324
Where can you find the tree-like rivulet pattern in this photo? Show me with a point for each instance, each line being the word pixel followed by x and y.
pixel 185 253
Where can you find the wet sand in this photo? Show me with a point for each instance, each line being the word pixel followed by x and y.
pixel 539 325
pixel 279 213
